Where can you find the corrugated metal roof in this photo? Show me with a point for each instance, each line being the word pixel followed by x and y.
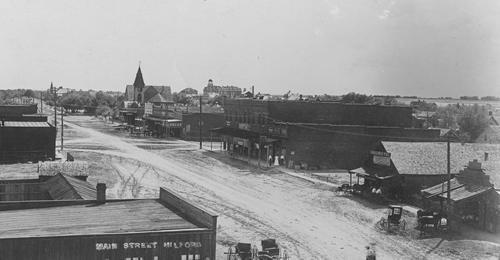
pixel 440 188
pixel 459 190
pixel 108 218
pixel 466 191
pixel 26 124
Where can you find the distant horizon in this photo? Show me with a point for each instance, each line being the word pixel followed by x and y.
pixel 398 96
pixel 386 47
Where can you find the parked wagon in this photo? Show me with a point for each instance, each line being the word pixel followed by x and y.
pixel 431 222
pixel 244 251
pixel 393 219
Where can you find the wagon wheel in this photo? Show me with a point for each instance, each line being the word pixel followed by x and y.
pixel 382 223
pixel 402 224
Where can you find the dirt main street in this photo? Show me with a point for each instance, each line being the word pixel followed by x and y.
pixel 308 220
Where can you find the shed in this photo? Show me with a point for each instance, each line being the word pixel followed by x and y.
pixel 472 197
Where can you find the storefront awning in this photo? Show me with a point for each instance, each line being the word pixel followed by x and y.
pixel 235 132
pixel 166 122
pixel 369 174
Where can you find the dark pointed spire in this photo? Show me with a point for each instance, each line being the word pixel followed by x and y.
pixel 139 81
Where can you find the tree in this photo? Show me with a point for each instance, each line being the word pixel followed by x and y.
pixel 104 111
pixel 423 105
pixel 29 93
pixel 473 121
pixel 356 98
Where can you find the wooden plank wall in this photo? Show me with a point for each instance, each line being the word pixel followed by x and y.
pixel 145 246
pixel 190 211
pixel 22 192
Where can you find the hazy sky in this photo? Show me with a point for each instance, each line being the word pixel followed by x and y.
pixel 407 47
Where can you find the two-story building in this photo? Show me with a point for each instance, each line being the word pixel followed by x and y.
pixel 212 91
pixel 311 134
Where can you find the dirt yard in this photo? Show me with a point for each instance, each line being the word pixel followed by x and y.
pixel 309 220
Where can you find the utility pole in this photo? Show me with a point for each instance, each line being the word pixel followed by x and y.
pixel 200 124
pixel 41 102
pixel 62 128
pixel 53 91
pixel 448 168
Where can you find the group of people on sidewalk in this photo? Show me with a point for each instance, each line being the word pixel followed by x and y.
pixel 277 160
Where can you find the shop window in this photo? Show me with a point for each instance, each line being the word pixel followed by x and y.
pixel 190 257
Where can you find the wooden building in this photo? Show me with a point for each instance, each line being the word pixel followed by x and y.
pixel 23 141
pixel 146 229
pixel 403 169
pixel 473 199
pixel 16 112
pixel 57 187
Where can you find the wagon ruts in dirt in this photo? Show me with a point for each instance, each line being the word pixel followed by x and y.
pixel 245 251
pixel 431 222
pixel 393 220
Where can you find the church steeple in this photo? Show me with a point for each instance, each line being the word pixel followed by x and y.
pixel 139 81
pixel 138 85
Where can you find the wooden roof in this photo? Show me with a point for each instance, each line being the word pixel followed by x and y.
pixel 26 124
pixel 112 217
pixel 430 157
pixel 64 187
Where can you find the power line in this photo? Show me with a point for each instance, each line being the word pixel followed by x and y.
pixel 353 133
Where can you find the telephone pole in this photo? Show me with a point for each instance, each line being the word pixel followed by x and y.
pixel 200 124
pixel 62 128
pixel 448 168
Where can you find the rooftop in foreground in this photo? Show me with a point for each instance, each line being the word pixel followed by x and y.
pixel 26 124
pixel 90 218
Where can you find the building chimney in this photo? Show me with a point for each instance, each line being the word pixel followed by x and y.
pixel 101 192
pixel 485 156
pixel 474 165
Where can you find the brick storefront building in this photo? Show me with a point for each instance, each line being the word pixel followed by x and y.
pixel 314 134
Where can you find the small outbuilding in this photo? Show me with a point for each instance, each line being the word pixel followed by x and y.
pixel 23 141
pixel 472 198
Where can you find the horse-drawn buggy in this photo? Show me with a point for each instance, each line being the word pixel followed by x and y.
pixel 393 220
pixel 245 251
pixel 431 222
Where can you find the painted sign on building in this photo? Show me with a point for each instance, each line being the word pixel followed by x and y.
pixel 244 126
pixel 381 158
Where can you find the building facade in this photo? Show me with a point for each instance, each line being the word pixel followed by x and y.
pixel 151 229
pixel 212 91
pixel 191 125
pixel 472 198
pixel 313 135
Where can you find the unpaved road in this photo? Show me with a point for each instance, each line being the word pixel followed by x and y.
pixel 308 220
